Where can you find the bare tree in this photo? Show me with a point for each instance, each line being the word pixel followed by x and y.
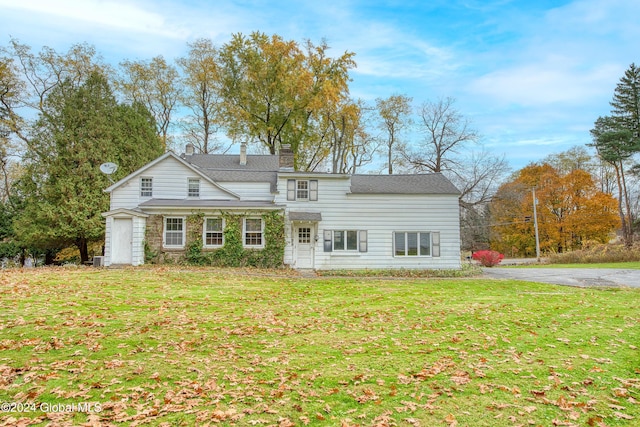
pixel 446 133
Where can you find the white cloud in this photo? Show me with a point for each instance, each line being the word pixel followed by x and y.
pixel 545 83
pixel 114 14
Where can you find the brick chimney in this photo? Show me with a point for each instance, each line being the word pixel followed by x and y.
pixel 286 157
pixel 188 149
pixel 243 154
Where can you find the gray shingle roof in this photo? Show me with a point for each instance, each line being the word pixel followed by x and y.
pixel 305 216
pixel 255 162
pixel 227 168
pixel 434 183
pixel 265 168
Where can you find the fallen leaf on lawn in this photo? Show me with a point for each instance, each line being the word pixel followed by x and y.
pixel 622 416
pixel 451 420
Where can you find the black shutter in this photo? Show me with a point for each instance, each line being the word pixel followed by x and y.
pixel 435 243
pixel 291 189
pixel 362 235
pixel 313 190
pixel 328 246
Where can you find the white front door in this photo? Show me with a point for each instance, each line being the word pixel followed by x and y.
pixel 121 241
pixel 304 242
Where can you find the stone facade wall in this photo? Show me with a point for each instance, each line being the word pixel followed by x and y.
pixel 154 237
pixel 153 234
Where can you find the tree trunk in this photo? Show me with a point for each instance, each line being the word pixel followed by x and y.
pixel 625 229
pixel 629 225
pixel 81 243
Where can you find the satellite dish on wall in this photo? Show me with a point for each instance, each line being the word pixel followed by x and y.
pixel 108 168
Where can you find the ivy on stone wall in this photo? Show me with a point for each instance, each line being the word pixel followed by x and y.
pixel 193 250
pixel 233 253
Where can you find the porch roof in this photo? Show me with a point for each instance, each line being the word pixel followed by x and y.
pixel 305 216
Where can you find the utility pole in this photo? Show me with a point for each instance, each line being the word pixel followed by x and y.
pixel 535 223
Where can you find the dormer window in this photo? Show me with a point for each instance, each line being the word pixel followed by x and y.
pixel 146 187
pixel 302 189
pixel 193 187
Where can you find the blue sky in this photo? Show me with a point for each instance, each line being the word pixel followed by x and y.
pixel 531 75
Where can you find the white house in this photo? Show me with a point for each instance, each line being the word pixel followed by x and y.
pixel 331 221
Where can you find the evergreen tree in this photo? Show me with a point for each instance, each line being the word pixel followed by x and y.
pixel 617 139
pixel 626 102
pixel 62 186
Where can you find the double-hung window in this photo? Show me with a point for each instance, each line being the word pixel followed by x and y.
pixel 253 233
pixel 302 190
pixel 416 243
pixel 174 231
pixel 193 187
pixel 213 232
pixel 146 187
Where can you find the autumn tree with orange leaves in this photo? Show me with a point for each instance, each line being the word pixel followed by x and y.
pixel 571 211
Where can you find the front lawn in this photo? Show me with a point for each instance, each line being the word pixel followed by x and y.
pixel 171 346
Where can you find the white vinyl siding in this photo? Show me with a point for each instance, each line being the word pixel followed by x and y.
pixel 379 215
pixel 169 181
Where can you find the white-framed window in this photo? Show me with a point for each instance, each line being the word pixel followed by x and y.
pixel 213 232
pixel 174 232
pixel 412 243
pixel 302 189
pixel 344 241
pixel 193 187
pixel 146 186
pixel 253 233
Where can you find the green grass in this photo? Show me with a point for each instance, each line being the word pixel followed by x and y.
pixel 171 346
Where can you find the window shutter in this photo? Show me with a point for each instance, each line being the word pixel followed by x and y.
pixel 363 240
pixel 435 243
pixel 313 190
pixel 291 189
pixel 327 240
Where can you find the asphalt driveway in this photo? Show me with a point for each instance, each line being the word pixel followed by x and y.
pixel 582 277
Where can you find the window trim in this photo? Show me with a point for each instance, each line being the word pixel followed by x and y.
pixel 302 190
pixel 164 232
pixel 205 231
pixel 189 180
pixel 345 236
pixel 311 190
pixel 143 189
pixel 244 233
pixel 418 238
